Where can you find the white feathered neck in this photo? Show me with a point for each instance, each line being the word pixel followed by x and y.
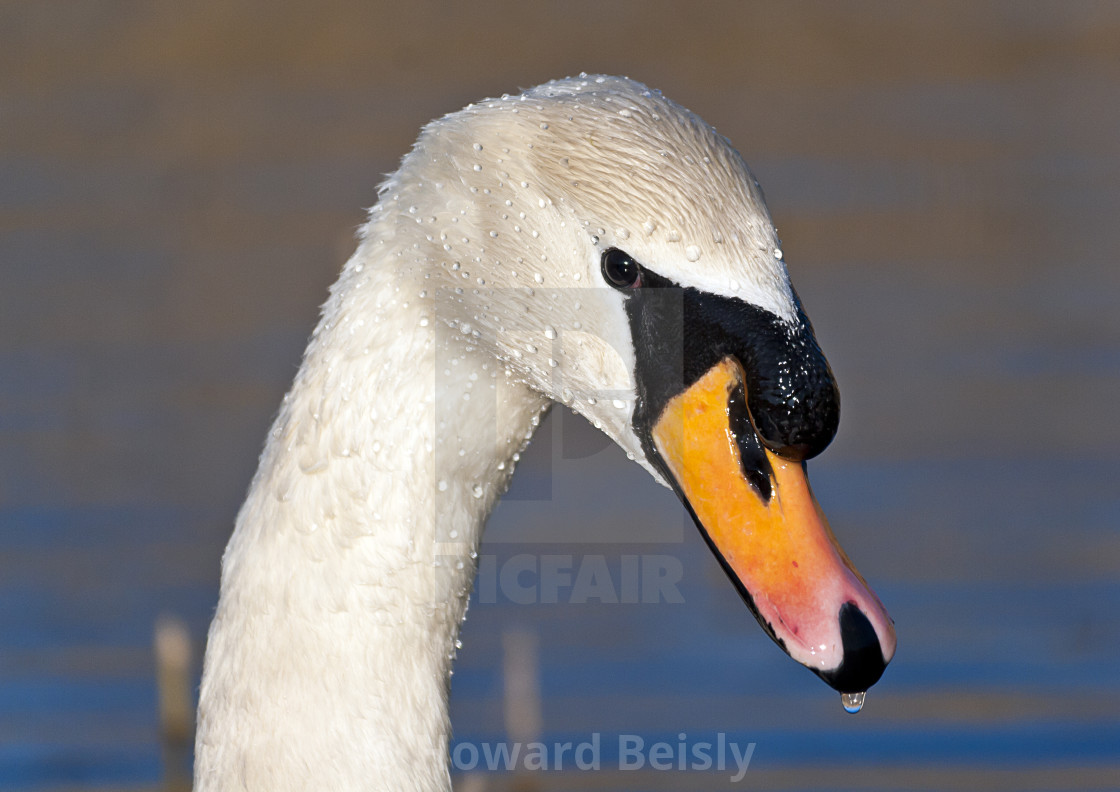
pixel 474 291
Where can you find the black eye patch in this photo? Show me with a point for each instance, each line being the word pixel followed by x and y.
pixel 682 332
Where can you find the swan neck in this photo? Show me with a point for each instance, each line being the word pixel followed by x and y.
pixel 349 569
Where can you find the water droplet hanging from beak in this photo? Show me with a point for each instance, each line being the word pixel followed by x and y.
pixel 853 702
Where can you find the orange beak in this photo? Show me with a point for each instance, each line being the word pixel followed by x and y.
pixel 759 515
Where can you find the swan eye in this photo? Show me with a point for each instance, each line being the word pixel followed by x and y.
pixel 620 270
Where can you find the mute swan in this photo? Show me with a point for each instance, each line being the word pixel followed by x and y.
pixel 589 242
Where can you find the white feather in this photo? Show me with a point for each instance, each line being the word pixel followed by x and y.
pixel 473 300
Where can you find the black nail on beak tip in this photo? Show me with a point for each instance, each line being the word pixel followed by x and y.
pixel 863 662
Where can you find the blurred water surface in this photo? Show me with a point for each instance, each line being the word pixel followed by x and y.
pixel 179 183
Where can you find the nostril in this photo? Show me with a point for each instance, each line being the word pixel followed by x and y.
pixel 752 458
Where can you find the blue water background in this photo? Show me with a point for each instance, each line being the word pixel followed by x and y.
pixel 179 185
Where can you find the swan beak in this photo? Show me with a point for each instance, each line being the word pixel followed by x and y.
pixel 758 514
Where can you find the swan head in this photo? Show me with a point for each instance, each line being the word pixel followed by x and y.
pixel 615 253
